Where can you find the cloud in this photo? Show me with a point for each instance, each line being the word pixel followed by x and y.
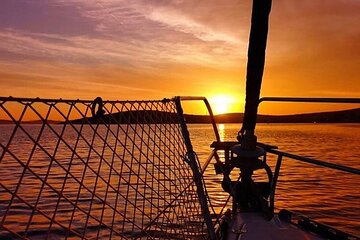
pixel 149 45
pixel 156 15
pixel 40 79
pixel 175 20
pixel 135 34
pixel 136 53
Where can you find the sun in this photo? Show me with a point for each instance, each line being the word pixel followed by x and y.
pixel 221 103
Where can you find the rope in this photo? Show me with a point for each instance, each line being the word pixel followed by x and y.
pixel 102 169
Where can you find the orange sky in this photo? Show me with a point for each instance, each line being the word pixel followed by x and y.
pixel 151 49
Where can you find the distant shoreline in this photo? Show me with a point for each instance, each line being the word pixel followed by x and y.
pixel 344 116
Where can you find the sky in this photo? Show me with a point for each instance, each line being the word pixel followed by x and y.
pixel 151 49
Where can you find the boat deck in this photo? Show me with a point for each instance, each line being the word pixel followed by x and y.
pixel 250 225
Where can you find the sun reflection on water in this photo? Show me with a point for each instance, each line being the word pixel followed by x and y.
pixel 221 128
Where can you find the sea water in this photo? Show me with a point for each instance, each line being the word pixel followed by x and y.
pixel 328 196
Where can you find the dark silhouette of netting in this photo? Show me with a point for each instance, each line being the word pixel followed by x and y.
pixel 70 169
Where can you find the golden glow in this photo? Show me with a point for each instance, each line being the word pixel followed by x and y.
pixel 221 128
pixel 176 50
pixel 221 103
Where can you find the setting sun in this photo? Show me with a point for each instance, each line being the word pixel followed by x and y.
pixel 221 103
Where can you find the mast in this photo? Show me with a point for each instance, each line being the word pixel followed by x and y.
pixel 255 69
pixel 248 195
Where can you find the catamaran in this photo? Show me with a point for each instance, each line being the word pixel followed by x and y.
pixel 82 169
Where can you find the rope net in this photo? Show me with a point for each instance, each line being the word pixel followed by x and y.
pixel 71 169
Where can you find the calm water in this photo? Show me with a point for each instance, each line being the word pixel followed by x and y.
pixel 329 196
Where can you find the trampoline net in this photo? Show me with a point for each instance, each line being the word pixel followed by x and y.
pixel 71 169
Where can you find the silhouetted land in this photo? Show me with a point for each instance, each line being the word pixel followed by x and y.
pixel 345 116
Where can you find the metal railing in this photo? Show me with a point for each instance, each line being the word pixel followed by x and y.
pixel 214 155
pixel 282 154
pixel 79 128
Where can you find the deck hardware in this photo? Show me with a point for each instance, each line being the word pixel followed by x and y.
pixel 98 102
pixel 274 183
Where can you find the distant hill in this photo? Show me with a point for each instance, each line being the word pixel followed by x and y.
pixel 130 117
pixel 146 116
pixel 150 117
pixel 344 116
